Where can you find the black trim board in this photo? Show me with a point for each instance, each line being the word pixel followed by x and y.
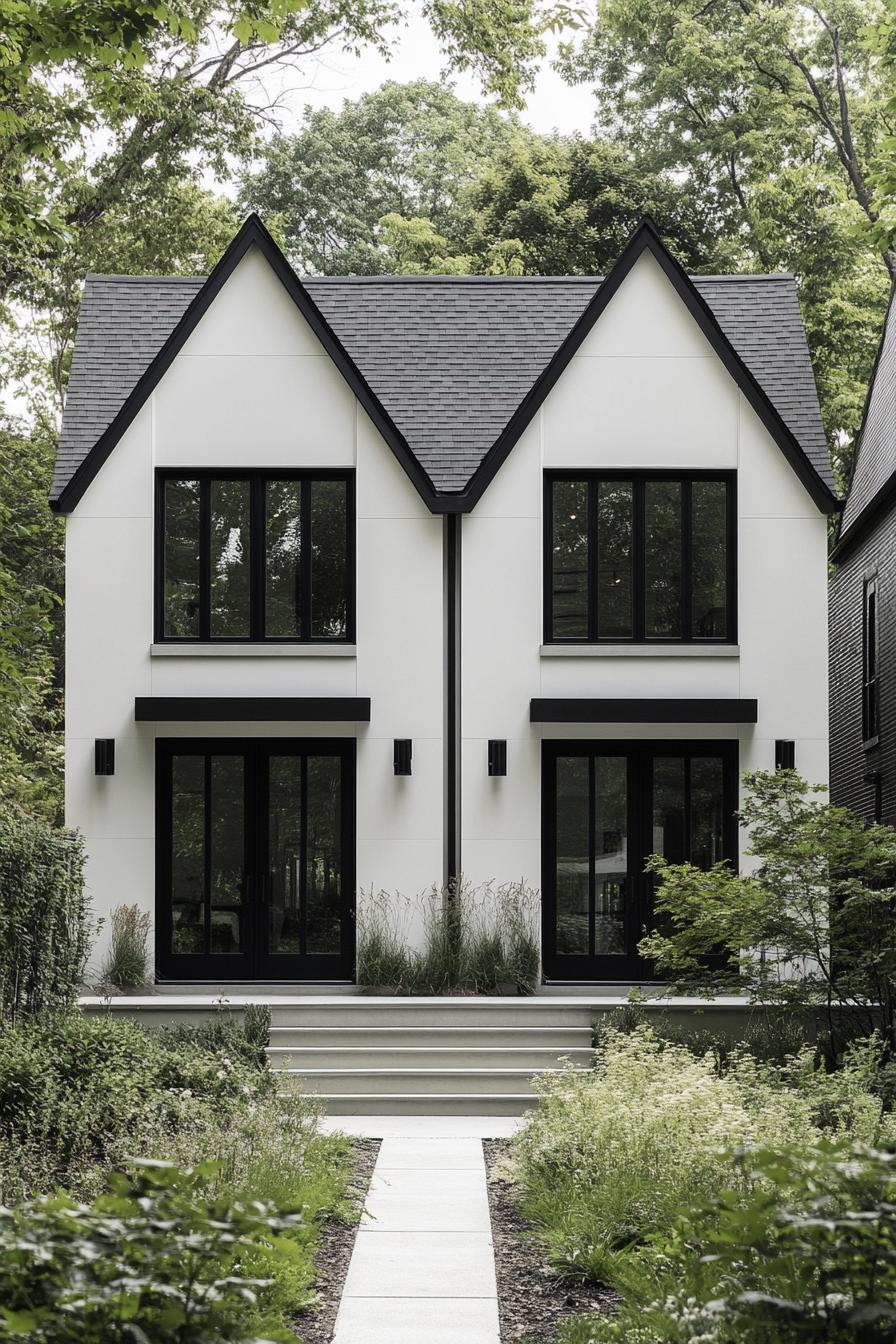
pixel 644 238
pixel 252 234
pixel 642 711
pixel 251 709
pixel 878 501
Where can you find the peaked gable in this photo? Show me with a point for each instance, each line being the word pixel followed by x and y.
pixel 872 482
pixel 646 238
pixel 252 234
pixel 450 369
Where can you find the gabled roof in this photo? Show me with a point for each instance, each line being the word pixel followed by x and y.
pixel 872 485
pixel 450 369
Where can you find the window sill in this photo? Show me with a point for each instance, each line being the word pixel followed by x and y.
pixel 640 650
pixel 253 650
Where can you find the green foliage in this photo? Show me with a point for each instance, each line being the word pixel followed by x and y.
pixel 80 1093
pixel 44 921
pixel 157 1258
pixel 775 116
pixel 812 925
pixel 477 940
pixel 800 1244
pixel 126 965
pixel 194 1251
pixel 611 1154
pixel 30 625
pixel 406 151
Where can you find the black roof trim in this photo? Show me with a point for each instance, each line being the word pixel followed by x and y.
pixel 646 238
pixel 252 234
pixel 878 503
pixel 642 711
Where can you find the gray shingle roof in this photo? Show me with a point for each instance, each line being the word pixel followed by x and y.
pixel 450 358
pixel 876 452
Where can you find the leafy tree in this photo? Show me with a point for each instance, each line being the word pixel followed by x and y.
pixel 31 572
pixel 812 925
pixel 774 112
pixel 170 90
pixel 407 150
pixel 566 205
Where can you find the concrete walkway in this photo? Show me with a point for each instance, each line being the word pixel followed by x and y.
pixel 423 1268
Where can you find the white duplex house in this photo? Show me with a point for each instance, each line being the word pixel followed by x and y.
pixel 371 582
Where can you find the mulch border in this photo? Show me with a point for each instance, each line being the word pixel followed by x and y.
pixel 532 1298
pixel 315 1324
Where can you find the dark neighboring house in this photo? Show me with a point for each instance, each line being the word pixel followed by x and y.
pixel 863 608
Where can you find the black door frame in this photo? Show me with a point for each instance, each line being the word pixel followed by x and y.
pixel 257 963
pixel 628 967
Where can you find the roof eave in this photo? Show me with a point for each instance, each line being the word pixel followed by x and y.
pixel 252 234
pixel 647 238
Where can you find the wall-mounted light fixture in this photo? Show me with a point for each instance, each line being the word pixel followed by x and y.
pixel 402 759
pixel 785 754
pixel 497 756
pixel 104 756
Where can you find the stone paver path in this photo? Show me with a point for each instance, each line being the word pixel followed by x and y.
pixel 423 1266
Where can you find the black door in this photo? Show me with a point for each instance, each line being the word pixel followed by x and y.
pixel 255 845
pixel 606 806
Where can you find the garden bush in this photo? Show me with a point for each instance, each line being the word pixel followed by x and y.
pixel 611 1154
pixel 45 927
pixel 798 1244
pixel 158 1258
pixel 78 1093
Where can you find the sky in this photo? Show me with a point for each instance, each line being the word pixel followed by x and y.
pixel 552 104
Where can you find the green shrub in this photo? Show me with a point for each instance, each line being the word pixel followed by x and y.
pixel 812 926
pixel 45 928
pixel 126 965
pixel 157 1259
pixel 79 1093
pixel 799 1244
pixel 611 1154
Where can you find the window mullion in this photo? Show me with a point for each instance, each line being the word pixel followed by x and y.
pixel 685 592
pixel 257 557
pixel 305 558
pixel 205 559
pixel 593 551
pixel 639 560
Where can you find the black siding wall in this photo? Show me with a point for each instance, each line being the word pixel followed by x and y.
pixel 849 762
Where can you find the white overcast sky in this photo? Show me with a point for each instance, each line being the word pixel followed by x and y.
pixel 552 104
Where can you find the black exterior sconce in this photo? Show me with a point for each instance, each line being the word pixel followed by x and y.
pixel 497 756
pixel 785 754
pixel 104 756
pixel 402 759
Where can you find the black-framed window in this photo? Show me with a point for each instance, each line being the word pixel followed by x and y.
pixel 637 557
pixel 255 556
pixel 870 668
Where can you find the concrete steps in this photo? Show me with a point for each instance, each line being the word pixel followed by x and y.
pixel 370 1055
pixel 453 1056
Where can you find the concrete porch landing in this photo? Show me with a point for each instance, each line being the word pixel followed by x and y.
pixel 365 1055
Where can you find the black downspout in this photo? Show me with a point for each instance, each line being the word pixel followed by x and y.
pixel 452 858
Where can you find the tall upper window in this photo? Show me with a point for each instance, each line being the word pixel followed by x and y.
pixel 254 556
pixel 639 557
pixel 870 682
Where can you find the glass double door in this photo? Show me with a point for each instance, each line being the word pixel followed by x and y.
pixel 606 808
pixel 255 859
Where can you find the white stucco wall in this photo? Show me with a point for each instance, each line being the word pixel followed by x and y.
pixel 644 391
pixel 252 387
